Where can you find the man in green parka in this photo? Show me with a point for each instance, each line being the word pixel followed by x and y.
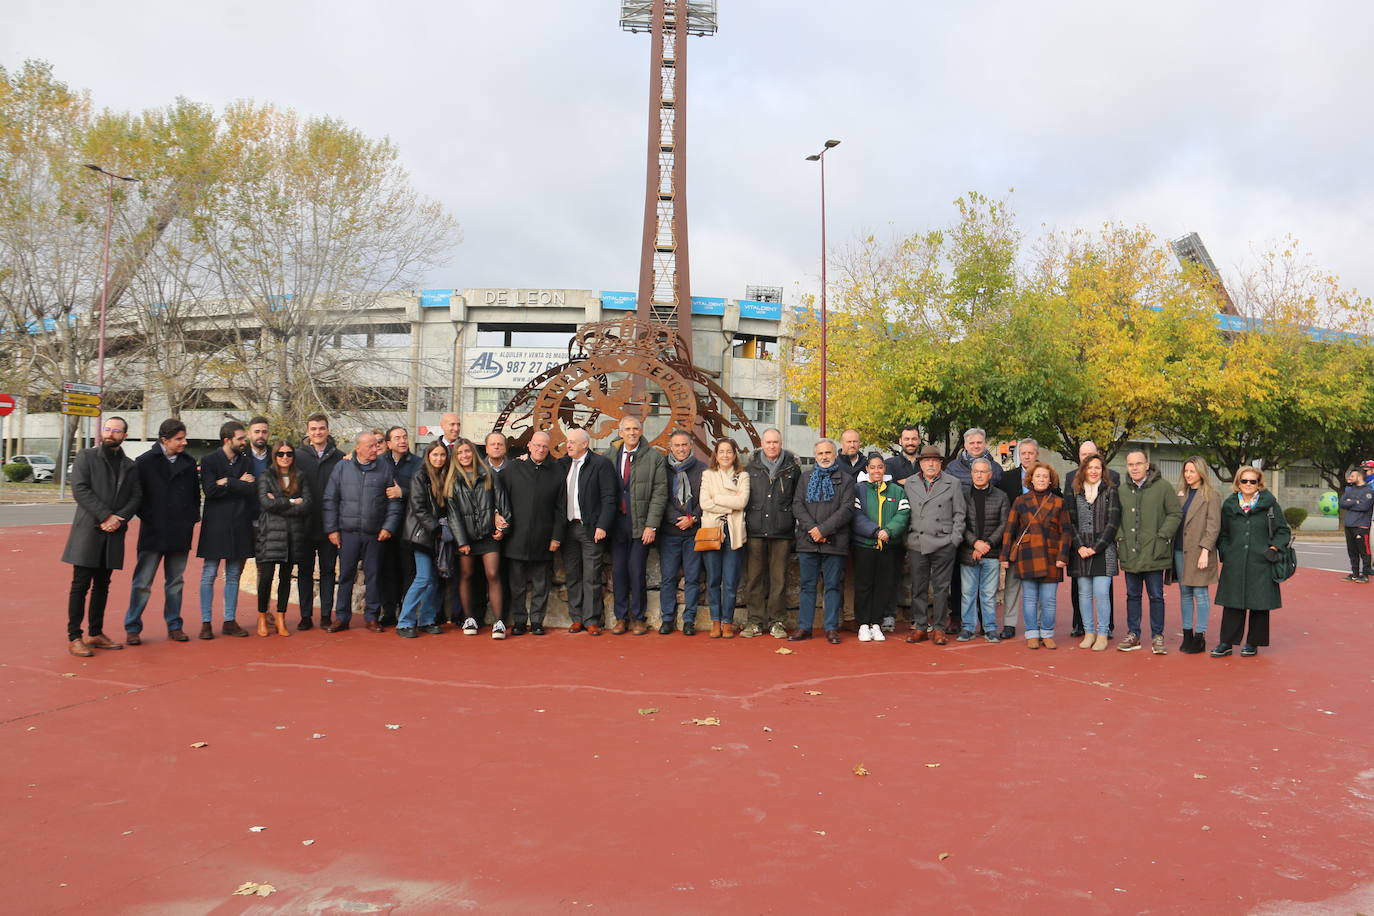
pixel 1149 517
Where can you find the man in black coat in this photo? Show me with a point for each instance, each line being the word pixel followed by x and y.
pixel 590 507
pixel 315 461
pixel 539 515
pixel 398 556
pixel 105 487
pixel 168 513
pixel 771 528
pixel 226 531
pixel 678 559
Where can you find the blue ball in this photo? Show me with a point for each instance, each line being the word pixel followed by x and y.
pixel 1329 504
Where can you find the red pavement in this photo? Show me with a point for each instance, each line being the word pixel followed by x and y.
pixel 523 777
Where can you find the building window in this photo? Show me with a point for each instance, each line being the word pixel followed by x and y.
pixel 753 346
pixel 1302 477
pixel 538 336
pixel 437 399
pixel 759 410
pixel 796 416
pixel 487 400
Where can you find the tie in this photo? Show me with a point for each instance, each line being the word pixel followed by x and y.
pixel 625 488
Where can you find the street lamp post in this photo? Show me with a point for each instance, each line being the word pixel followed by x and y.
pixel 820 157
pixel 105 266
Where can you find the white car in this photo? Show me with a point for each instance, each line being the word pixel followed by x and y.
pixel 43 466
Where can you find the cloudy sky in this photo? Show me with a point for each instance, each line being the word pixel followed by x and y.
pixel 1243 121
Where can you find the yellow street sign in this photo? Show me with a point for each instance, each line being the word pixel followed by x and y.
pixel 80 410
pixel 81 400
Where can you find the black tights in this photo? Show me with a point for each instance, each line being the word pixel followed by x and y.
pixel 266 572
pixel 491 565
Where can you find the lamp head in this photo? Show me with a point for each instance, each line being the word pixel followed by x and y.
pixel 831 144
pixel 813 157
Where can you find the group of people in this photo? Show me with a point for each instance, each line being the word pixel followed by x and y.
pixel 456 530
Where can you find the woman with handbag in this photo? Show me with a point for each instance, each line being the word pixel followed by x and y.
pixel 1254 538
pixel 428 532
pixel 478 508
pixel 724 494
pixel 1195 552
pixel 282 541
pixel 881 512
pixel 1094 517
pixel 1037 540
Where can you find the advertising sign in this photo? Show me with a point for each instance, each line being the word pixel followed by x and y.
pixel 508 367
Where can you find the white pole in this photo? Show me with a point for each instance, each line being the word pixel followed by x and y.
pixel 62 462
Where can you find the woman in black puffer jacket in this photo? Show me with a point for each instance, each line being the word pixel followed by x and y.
pixel 478 511
pixel 282 540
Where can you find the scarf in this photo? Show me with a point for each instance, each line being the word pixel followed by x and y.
pixel 820 488
pixel 772 465
pixel 1090 491
pixel 682 487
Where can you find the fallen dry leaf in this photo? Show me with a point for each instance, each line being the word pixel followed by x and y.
pixel 201 744
pixel 767 729
pixel 648 710
pixel 256 829
pixel 784 651
pixel 317 735
pixel 69 674
pixel 1198 776
pixel 307 842
pixel 932 765
pixel 819 832
pixel 393 727
pixel 254 889
pixel 717 747
pixel 813 693
pixel 943 856
pixel 860 770
pixel 709 720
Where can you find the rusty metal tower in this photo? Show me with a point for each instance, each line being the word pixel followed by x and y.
pixel 665 288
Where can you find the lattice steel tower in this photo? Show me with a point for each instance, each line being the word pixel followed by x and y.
pixel 665 288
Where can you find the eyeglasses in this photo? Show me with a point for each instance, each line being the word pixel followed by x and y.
pixel 1249 480
pixel 286 454
pixel 112 429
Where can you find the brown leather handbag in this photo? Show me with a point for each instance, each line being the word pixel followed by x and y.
pixel 709 538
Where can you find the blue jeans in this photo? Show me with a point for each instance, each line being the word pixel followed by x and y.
pixel 1037 607
pixel 208 573
pixel 1190 597
pixel 814 566
pixel 421 602
pixel 1094 599
pixel 979 590
pixel 173 571
pixel 722 579
pixel 1152 582
pixel 678 559
pixel 357 548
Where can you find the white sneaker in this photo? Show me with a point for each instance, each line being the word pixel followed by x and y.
pixel 877 633
pixel 777 630
pixel 864 634
pixel 889 624
pixel 498 630
pixel 469 627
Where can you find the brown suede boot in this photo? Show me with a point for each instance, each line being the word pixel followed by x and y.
pixel 262 625
pixel 715 629
pixel 281 624
pixel 727 631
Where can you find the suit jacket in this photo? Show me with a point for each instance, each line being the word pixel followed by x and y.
pixel 597 490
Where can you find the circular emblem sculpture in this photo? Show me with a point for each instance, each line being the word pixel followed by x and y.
pixel 620 368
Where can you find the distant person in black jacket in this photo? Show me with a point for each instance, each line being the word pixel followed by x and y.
pixel 283 531
pixel 1085 451
pixel 360 515
pixel 591 505
pixel 226 530
pixel 168 515
pixel 315 461
pixel 539 515
pixel 398 557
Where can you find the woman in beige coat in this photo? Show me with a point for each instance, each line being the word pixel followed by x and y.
pixel 724 494
pixel 1195 552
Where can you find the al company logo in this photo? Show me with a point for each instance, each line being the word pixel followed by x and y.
pixel 485 366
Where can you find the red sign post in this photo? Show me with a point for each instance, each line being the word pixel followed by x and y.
pixel 6 405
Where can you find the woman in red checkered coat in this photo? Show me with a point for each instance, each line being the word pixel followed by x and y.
pixel 1036 543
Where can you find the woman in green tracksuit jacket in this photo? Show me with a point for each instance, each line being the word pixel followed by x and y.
pixel 880 518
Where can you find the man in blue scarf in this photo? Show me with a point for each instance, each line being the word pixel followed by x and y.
pixel 823 506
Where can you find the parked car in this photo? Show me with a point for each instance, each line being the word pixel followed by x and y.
pixel 43 466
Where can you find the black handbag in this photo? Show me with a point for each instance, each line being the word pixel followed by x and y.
pixel 1287 563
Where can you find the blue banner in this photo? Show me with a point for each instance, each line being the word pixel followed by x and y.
pixel 435 298
pixel 752 308
pixel 623 301
pixel 707 305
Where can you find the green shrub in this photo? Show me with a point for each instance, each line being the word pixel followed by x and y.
pixel 17 473
pixel 1295 516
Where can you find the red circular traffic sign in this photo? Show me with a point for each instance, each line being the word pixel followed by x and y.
pixel 6 405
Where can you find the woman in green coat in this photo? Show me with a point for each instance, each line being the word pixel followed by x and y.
pixel 1248 553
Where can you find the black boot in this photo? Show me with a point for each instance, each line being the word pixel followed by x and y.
pixel 1186 647
pixel 1199 643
